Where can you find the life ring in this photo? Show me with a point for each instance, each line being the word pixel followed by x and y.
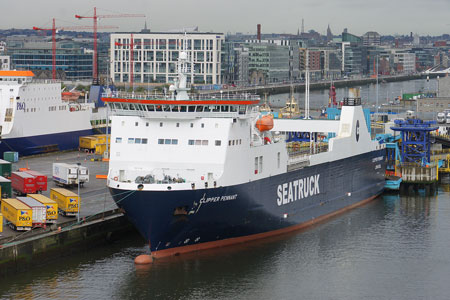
pixel 116 178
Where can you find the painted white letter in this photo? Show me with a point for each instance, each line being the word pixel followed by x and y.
pixel 285 186
pixel 295 183
pixel 290 197
pixel 306 187
pixel 300 189
pixel 280 196
pixel 316 184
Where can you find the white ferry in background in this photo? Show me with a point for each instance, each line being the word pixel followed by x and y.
pixel 443 117
pixel 201 171
pixel 33 117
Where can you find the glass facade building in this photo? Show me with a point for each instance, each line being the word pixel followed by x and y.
pixel 76 64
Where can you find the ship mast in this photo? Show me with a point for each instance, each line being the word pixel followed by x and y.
pixel 180 88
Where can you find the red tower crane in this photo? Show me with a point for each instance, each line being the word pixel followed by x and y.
pixel 54 29
pixel 131 44
pixel 95 17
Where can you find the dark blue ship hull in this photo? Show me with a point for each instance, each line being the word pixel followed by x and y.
pixel 182 221
pixel 43 143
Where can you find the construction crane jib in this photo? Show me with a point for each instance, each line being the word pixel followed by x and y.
pixel 95 17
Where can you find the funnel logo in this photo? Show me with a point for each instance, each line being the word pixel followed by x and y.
pixel 23 213
pixel 72 200
pixel 50 207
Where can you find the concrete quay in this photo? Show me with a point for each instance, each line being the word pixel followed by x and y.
pixel 100 219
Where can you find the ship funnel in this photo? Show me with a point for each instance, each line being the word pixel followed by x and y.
pixel 354 93
pixel 353 99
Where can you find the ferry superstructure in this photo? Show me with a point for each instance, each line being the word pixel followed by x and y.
pixel 200 171
pixel 33 117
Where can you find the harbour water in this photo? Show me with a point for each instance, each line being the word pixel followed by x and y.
pixel 395 247
pixel 387 91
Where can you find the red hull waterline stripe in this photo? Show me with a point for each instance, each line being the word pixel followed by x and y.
pixel 243 239
pixel 183 102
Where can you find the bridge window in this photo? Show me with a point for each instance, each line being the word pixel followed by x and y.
pixel 160 141
pixel 118 140
pixel 178 124
pixel 191 142
pixel 205 143
pixel 137 140
pixel 174 142
pixel 130 140
pixel 218 142
pixel 167 141
pixel 161 124
pixel 136 123
pixel 203 125
pixel 144 141
pixel 192 125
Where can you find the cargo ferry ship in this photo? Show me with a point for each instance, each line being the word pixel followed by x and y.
pixel 35 119
pixel 201 171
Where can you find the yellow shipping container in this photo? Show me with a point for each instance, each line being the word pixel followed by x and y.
pixel 17 213
pixel 68 202
pixel 52 206
pixel 88 142
pixel 101 138
pixel 1 223
pixel 100 149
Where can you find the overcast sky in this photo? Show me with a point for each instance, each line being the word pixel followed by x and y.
pixel 425 17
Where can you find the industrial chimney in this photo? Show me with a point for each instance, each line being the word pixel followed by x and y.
pixel 258 30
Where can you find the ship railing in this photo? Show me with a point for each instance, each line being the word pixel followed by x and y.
pixel 308 150
pixel 192 96
pixel 352 101
pixel 298 161
pixel 184 115
pixel 182 111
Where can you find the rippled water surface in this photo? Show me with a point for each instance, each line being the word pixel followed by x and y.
pixel 386 92
pixel 393 248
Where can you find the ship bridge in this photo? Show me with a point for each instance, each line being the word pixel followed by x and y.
pixel 196 106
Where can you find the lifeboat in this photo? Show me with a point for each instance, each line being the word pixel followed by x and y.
pixel 264 124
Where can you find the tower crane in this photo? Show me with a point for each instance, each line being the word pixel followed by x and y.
pixel 95 17
pixel 54 29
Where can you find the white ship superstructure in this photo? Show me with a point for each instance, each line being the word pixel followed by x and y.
pixel 34 119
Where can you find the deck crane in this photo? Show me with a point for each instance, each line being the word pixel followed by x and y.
pixel 95 17
pixel 54 29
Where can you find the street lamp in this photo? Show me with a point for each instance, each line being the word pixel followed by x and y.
pixel 376 108
pixel 79 198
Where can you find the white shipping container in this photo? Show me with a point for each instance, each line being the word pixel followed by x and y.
pixel 39 210
pixel 66 174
